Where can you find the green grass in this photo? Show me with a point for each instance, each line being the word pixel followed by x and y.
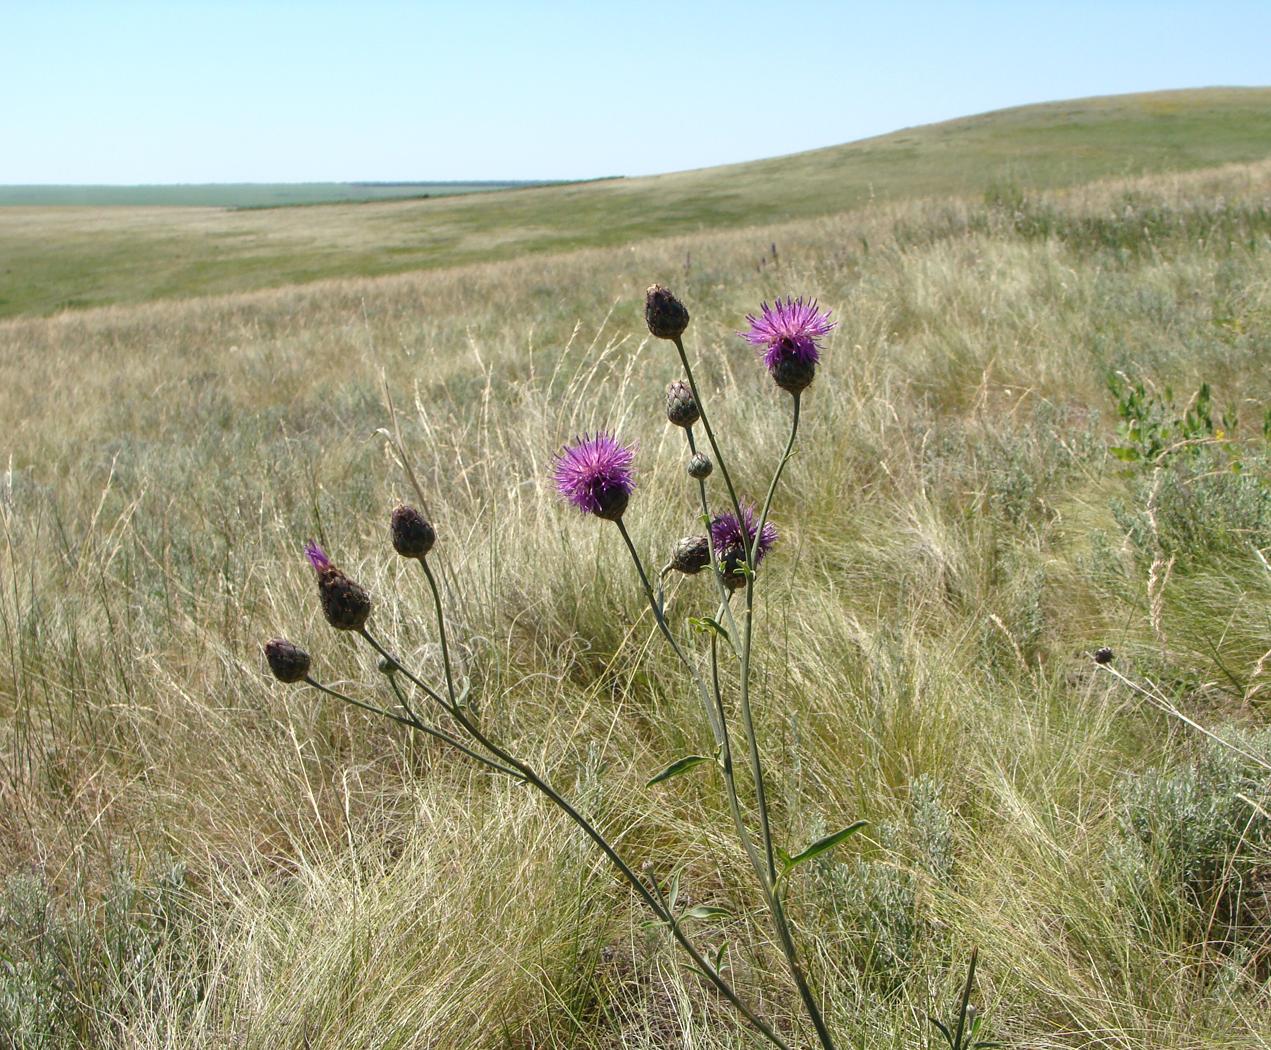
pixel 240 194
pixel 51 261
pixel 193 855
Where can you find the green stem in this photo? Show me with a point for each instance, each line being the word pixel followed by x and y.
pixel 779 920
pixel 706 426
pixel 441 631
pixel 528 773
pixel 716 571
pixel 413 722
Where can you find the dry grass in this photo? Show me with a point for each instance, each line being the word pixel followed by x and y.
pixel 956 539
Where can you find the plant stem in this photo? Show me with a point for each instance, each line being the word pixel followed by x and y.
pixel 441 631
pixel 414 723
pixel 773 898
pixel 528 773
pixel 706 426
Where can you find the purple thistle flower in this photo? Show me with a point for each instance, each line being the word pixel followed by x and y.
pixel 317 556
pixel 732 539
pixel 786 334
pixel 594 474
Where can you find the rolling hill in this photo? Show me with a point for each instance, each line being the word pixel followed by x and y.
pixel 55 259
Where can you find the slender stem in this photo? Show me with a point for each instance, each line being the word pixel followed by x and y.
pixel 528 773
pixel 716 571
pixel 431 693
pixel 779 920
pixel 441 632
pixel 748 623
pixel 414 723
pixel 966 1000
pixel 664 627
pixel 706 426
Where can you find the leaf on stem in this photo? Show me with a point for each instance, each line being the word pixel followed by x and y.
pixel 708 625
pixel 682 765
pixel 706 911
pixel 819 846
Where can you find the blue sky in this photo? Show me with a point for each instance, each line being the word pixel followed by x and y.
pixel 269 91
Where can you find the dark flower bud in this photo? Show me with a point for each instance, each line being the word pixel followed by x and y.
pixel 700 466
pixel 665 315
pixel 288 662
pixel 345 604
pixel 793 374
pixel 413 536
pixel 1103 655
pixel 681 405
pixel 387 665
pixel 732 564
pixel 691 555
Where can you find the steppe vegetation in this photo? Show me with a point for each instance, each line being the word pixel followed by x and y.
pixel 53 259
pixel 1041 427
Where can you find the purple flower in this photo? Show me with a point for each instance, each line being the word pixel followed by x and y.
pixel 786 334
pixel 732 539
pixel 726 532
pixel 317 556
pixel 594 474
pixel 345 604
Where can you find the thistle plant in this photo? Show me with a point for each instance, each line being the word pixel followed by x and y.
pixel 595 474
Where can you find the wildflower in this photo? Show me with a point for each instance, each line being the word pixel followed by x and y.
pixel 288 662
pixel 691 555
pixel 1103 655
pixel 700 466
pixel 345 604
pixel 732 538
pixel 665 315
pixel 594 474
pixel 681 405
pixel 786 334
pixel 413 536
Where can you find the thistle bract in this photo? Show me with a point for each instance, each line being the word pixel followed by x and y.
pixel 691 555
pixel 288 662
pixel 700 466
pixel 681 405
pixel 731 538
pixel 345 604
pixel 594 474
pixel 786 335
pixel 665 315
pixel 413 536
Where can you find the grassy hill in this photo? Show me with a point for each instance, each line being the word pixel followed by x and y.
pixel 240 194
pixel 57 259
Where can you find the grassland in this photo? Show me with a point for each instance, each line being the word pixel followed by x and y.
pixel 239 194
pixel 51 260
pixel 195 856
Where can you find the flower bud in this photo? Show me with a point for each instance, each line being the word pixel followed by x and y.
pixel 700 466
pixel 665 315
pixel 681 405
pixel 288 662
pixel 691 555
pixel 345 604
pixel 793 374
pixel 387 665
pixel 413 536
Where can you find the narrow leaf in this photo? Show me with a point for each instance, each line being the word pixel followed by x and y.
pixel 705 911
pixel 828 843
pixel 682 765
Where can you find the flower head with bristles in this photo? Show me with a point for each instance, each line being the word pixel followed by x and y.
pixel 594 474
pixel 732 538
pixel 345 604
pixel 317 556
pixel 786 335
